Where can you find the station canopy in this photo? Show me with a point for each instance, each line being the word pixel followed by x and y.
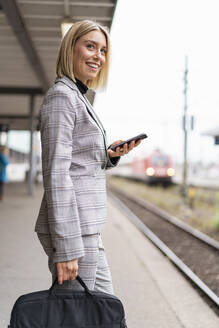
pixel 30 36
pixel 213 133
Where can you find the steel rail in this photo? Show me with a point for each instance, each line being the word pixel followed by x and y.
pixel 170 218
pixel 164 249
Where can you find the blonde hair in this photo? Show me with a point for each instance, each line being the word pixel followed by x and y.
pixel 64 63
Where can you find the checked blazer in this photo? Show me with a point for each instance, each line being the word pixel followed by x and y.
pixel 74 159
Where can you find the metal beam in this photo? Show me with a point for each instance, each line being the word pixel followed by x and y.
pixel 74 18
pixel 66 8
pixel 17 23
pixel 16 117
pixel 75 3
pixel 113 13
pixel 7 90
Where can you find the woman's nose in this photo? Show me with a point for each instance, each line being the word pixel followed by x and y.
pixel 98 54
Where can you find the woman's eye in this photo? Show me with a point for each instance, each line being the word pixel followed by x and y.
pixel 103 51
pixel 90 46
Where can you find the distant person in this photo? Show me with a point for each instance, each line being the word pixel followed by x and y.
pixel 75 156
pixel 4 161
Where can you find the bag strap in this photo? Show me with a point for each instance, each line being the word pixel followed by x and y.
pixel 79 279
pixel 82 283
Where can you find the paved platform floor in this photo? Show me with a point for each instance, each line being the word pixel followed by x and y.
pixel 154 293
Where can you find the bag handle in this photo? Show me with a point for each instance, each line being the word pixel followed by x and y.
pixel 79 279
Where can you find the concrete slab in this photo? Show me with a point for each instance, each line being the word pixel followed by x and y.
pixel 23 265
pixel 154 293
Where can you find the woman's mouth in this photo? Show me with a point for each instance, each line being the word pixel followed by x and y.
pixel 93 67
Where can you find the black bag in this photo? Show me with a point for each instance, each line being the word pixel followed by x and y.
pixel 65 308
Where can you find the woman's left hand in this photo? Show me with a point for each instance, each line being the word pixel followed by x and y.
pixel 125 149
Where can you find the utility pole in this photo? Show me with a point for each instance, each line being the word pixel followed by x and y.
pixel 185 128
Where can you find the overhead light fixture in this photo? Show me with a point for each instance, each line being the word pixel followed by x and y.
pixel 66 24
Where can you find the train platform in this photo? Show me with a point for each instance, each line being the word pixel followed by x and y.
pixel 152 290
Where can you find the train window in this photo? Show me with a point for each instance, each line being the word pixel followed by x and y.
pixel 160 160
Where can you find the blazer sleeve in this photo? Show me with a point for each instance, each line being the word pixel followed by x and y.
pixel 111 161
pixel 57 118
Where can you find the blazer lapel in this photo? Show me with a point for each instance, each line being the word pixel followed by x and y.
pixel 93 114
pixel 89 107
pixel 95 118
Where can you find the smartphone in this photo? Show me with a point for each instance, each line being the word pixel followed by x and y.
pixel 140 136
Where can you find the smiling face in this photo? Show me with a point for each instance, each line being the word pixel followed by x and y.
pixel 89 55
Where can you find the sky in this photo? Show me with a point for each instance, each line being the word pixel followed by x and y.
pixel 150 40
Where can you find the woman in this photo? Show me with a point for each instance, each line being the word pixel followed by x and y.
pixel 3 164
pixel 74 159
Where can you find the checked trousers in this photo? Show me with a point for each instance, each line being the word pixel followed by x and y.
pixel 93 267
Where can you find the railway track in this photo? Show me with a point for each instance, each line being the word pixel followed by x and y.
pixel 194 253
pixel 206 185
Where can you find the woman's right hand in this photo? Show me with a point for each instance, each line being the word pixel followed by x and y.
pixel 67 270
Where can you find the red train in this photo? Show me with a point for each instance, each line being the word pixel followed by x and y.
pixel 155 168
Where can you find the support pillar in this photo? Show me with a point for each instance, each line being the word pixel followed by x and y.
pixel 31 162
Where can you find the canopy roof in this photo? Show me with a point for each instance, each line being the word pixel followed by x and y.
pixel 213 132
pixel 30 36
